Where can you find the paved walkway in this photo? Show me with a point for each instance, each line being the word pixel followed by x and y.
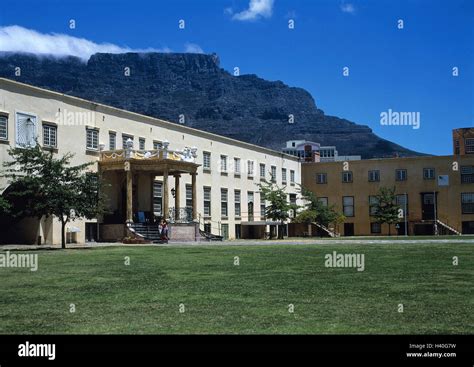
pixel 360 241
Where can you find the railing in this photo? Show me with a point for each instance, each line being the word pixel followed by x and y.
pixel 186 155
pixel 180 215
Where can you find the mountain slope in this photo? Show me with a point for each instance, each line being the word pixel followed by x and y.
pixel 167 86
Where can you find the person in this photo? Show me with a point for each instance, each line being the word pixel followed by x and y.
pixel 164 230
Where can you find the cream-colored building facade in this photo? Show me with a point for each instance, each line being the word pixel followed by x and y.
pixel 228 171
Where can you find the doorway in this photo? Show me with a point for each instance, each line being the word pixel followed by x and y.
pixel 428 202
pixel 348 229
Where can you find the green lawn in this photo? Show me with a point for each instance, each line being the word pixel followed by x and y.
pixel 253 297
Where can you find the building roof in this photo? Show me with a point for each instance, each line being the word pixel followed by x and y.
pixel 144 118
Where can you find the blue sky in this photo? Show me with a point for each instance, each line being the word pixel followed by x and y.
pixel 406 70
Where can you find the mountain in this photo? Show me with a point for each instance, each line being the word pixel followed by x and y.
pixel 167 85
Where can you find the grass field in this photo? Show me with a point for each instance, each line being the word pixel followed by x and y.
pixel 253 297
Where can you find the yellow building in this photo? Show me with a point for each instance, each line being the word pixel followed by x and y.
pixel 155 169
pixel 435 192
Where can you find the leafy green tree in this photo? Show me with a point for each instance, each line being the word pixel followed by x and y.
pixel 316 212
pixel 49 186
pixel 279 207
pixel 385 209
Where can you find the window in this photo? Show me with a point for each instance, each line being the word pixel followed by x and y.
pixel 207 201
pixel 250 205
pixel 92 139
pixel 323 200
pixel 262 207
pixel 237 203
pixel 467 174
pixel 283 175
pixel 112 141
pixel 124 140
pixel 467 202
pixel 206 159
pixel 223 163
pixel 224 207
pixel 402 201
pixel 50 134
pixel 141 143
pixel 347 176
pixel 321 178
pixel 469 146
pixel 400 175
pixel 157 144
pixel 189 196
pixel 157 197
pixel 456 147
pixel 292 176
pixel 292 199
pixel 348 206
pixel 428 173
pixel 374 176
pixel 262 170
pixel 3 128
pixel 375 228
pixel 26 130
pixel 373 203
pixel 274 173
pixel 237 166
pixel 250 168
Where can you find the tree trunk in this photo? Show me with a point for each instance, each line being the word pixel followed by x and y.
pixel 63 233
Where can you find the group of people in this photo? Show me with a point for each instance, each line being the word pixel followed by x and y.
pixel 163 229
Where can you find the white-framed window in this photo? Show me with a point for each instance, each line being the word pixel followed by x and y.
pixel 373 204
pixel 237 203
pixel 26 130
pixel 3 127
pixel 323 200
pixel 263 207
pixel 141 143
pixel 237 166
pixel 207 201
pixel 262 170
pixel 374 175
pixel 400 175
pixel 224 206
pixel 321 178
pixel 283 175
pixel 274 173
pixel 223 163
pixel 292 176
pixel 469 145
pixel 250 168
pixel 347 176
pixel 189 196
pixel 92 139
pixel 157 197
pixel 428 173
pixel 112 140
pixel 402 201
pixel 50 134
pixel 206 160
pixel 124 140
pixel 348 206
pixel 157 144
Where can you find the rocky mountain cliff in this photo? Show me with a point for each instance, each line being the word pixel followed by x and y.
pixel 162 85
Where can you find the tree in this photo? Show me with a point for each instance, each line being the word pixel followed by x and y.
pixel 49 186
pixel 314 211
pixel 279 207
pixel 385 208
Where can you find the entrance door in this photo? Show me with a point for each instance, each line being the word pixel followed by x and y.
pixel 91 232
pixel 427 206
pixel 348 229
pixel 225 231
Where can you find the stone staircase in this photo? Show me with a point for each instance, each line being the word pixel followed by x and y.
pixel 149 232
pixel 448 228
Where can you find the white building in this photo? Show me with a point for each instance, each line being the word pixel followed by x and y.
pixel 215 177
pixel 308 151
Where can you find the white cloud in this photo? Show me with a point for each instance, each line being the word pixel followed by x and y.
pixel 19 39
pixel 347 8
pixel 192 48
pixel 257 9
